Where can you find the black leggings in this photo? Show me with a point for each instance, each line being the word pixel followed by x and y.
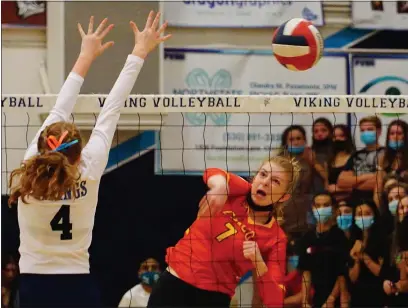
pixel 171 291
pixel 62 290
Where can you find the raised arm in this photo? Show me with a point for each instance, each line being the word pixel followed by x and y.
pixel 91 48
pixel 222 185
pixel 96 152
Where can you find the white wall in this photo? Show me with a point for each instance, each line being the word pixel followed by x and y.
pixel 23 52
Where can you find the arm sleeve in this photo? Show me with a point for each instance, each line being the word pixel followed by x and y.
pixel 271 284
pixel 61 111
pixel 237 186
pixel 96 153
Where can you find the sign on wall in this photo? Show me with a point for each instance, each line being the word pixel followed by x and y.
pixel 240 13
pixel 192 142
pixel 380 14
pixel 23 13
pixel 379 75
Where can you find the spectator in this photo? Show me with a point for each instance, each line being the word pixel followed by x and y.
pixel 297 208
pixel 343 148
pixel 394 193
pixel 322 149
pixel 9 283
pixel 138 296
pixel 293 280
pixel 360 173
pixel 323 256
pixel 396 284
pixel 370 253
pixel 395 159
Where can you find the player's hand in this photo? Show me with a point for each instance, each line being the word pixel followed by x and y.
pixel 387 285
pixel 213 202
pixel 91 46
pixel 252 252
pixel 150 37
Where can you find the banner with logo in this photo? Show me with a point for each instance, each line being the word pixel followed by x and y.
pixel 191 142
pixel 23 13
pixel 379 75
pixel 240 13
pixel 380 14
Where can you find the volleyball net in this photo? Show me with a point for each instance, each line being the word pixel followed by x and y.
pixel 191 133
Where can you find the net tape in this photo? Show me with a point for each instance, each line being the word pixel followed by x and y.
pixel 222 103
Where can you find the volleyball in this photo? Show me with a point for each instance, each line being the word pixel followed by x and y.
pixel 297 44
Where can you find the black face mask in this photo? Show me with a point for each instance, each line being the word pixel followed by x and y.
pixel 321 143
pixel 258 208
pixel 339 145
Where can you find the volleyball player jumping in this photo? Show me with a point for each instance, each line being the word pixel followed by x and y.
pixel 57 185
pixel 235 232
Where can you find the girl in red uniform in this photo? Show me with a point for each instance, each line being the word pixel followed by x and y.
pixel 236 231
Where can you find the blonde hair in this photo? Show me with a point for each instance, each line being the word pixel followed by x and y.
pixel 290 165
pixel 50 174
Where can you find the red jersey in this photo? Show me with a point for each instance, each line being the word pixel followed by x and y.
pixel 210 255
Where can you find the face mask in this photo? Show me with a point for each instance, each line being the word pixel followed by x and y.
pixel 364 222
pixel 149 278
pixel 396 145
pixel 345 221
pixel 323 214
pixel 339 145
pixel 393 205
pixel 321 143
pixel 293 262
pixel 296 149
pixel 368 137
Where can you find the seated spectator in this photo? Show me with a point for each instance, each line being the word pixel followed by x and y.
pixel 343 148
pixel 395 193
pixel 9 282
pixel 138 296
pixel 394 162
pixel 297 208
pixel 322 148
pixel 293 280
pixel 395 159
pixel 360 173
pixel 323 256
pixel 370 253
pixel 396 284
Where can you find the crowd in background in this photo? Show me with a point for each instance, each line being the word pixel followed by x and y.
pixel 347 222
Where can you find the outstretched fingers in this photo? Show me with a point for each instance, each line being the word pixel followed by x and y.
pixel 149 20
pixel 90 25
pixel 156 21
pixel 106 46
pixel 80 30
pixel 106 31
pixel 134 27
pixel 101 26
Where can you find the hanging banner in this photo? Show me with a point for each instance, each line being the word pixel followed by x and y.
pixel 251 14
pixel 379 75
pixel 380 14
pixel 189 143
pixel 23 14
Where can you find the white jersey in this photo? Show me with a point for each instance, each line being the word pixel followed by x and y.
pixel 55 235
pixel 135 297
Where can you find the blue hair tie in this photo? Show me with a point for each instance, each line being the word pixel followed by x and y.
pixel 65 145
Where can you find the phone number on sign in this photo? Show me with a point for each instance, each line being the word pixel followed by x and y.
pixel 233 136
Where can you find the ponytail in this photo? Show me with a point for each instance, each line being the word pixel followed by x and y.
pixel 46 176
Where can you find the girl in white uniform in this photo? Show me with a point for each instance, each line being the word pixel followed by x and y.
pixel 57 185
